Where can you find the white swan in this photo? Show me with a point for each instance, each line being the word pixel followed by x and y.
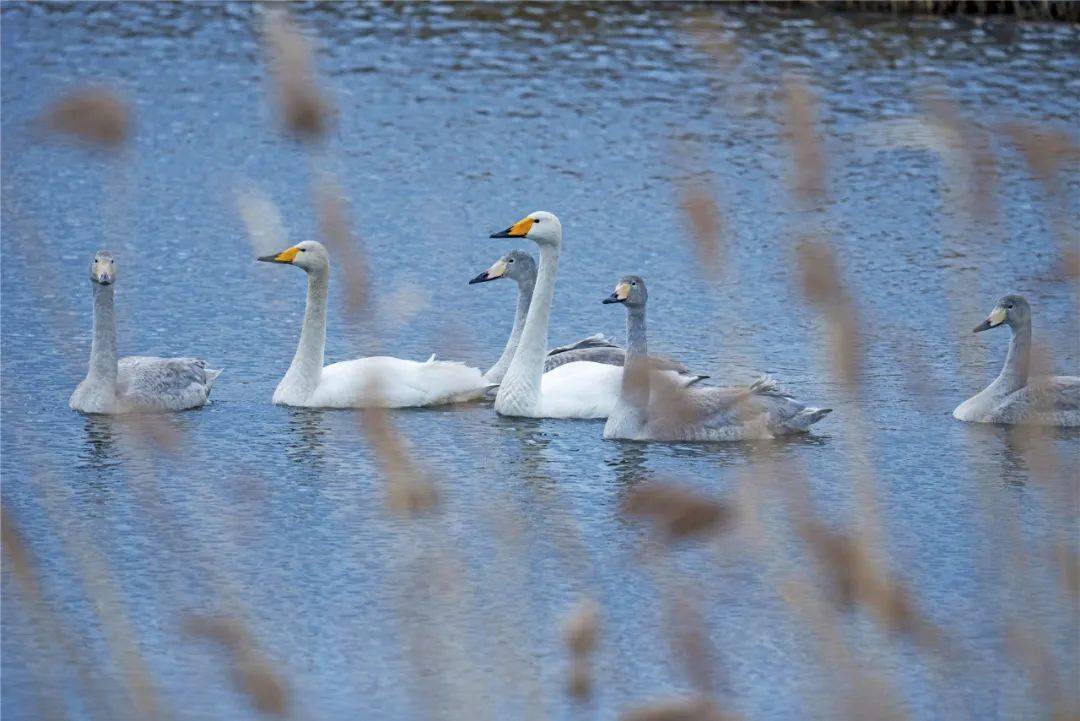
pixel 1012 397
pixel 519 266
pixel 377 381
pixel 649 409
pixel 582 389
pixel 135 384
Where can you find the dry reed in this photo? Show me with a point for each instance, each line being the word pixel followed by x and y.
pixel 850 568
pixel 304 110
pixel 678 513
pixel 95 115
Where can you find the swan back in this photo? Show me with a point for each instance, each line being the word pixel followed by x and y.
pixel 386 382
pixel 148 383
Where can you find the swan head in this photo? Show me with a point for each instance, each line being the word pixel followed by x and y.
pixel 310 255
pixel 102 269
pixel 630 291
pixel 541 227
pixel 1011 309
pixel 517 265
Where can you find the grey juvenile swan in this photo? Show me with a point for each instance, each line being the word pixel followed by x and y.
pixel 519 266
pixel 136 383
pixel 1013 397
pixel 649 409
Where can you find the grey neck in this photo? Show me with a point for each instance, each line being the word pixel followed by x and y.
pixel 519 391
pixel 635 379
pixel 1014 374
pixel 103 347
pixel 524 300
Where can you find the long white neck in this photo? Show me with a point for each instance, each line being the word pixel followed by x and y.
pixel 1014 374
pixel 519 392
pixel 524 300
pixel 103 348
pixel 306 369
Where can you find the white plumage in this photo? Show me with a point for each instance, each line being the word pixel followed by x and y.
pixel 388 382
pixel 376 381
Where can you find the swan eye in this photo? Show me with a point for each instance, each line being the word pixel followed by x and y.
pixel 634 282
pixel 510 261
pixel 1009 305
pixel 536 220
pixel 303 250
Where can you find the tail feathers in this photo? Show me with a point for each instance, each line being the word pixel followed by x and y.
pixel 211 376
pixel 768 386
pixel 807 417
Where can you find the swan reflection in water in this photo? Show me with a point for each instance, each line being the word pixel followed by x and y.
pixel 308 445
pixel 112 440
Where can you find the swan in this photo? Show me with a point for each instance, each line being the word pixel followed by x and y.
pixel 649 409
pixel 376 381
pixel 582 389
pixel 1012 397
pixel 135 384
pixel 519 266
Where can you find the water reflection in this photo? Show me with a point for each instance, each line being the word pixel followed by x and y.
pixel 1031 453
pixel 602 94
pixel 629 464
pixel 309 447
pixel 531 443
pixel 100 448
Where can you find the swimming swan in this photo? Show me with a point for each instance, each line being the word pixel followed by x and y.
pixel 377 381
pixel 136 384
pixel 519 266
pixel 1012 397
pixel 582 389
pixel 649 409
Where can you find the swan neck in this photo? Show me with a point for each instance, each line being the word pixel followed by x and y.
pixel 524 301
pixel 1014 374
pixel 103 347
pixel 307 363
pixel 519 392
pixel 635 380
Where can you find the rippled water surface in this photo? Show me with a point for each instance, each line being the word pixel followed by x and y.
pixel 452 122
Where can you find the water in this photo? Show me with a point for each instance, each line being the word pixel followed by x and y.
pixel 452 122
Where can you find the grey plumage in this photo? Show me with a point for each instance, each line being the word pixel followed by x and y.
pixel 1047 400
pixel 709 413
pixel 520 267
pixel 650 407
pixel 600 349
pixel 155 383
pixel 136 383
pixel 1013 397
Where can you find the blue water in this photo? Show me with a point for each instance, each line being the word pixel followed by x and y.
pixel 453 121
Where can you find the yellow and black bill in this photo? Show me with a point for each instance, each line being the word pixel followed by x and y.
pixel 518 230
pixel 285 256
